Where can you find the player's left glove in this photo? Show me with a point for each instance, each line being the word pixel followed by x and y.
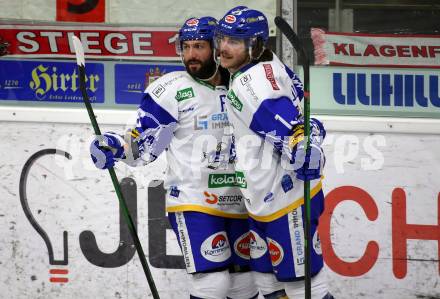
pixel 308 165
pixel 106 149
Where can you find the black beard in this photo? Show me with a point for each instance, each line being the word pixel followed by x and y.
pixel 207 69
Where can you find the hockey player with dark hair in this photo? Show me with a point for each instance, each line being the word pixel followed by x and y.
pixel 184 112
pixel 264 109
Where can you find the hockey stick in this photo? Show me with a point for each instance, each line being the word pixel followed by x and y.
pixel 79 52
pixel 297 44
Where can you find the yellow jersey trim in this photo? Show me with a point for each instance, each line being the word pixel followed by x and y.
pixel 206 210
pixel 289 208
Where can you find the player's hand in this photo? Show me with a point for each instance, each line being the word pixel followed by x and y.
pixel 105 149
pixel 308 165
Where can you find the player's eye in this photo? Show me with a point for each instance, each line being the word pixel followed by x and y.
pixel 199 46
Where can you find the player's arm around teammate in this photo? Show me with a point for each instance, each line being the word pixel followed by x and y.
pixel 264 108
pixel 184 113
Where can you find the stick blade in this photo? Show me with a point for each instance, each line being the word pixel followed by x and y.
pixel 288 32
pixel 79 51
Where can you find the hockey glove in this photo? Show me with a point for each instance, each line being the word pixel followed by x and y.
pixel 105 149
pixel 308 165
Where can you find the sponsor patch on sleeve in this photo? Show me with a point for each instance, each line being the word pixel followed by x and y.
pixel 158 91
pixel 270 76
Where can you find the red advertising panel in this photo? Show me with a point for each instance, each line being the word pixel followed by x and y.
pixel 92 11
pixel 99 42
pixel 387 50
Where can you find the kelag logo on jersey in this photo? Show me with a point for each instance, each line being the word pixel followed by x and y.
pixel 216 248
pixel 185 94
pixel 235 102
pixel 219 180
pixel 212 122
pixel 241 180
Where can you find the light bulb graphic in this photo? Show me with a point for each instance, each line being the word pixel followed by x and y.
pixel 57 274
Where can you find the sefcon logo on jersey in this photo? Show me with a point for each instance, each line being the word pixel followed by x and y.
pixel 216 248
pixel 211 198
pixel 241 246
pixel 257 245
pixel 276 252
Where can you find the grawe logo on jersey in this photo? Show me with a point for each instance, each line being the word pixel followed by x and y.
pixel 241 246
pixel 185 94
pixel 211 198
pixel 216 247
pixel 257 245
pixel 276 252
pixel 235 102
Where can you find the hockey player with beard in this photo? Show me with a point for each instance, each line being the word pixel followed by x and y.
pixel 264 109
pixel 184 112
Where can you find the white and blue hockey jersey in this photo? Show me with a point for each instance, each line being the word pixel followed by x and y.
pixel 188 118
pixel 263 104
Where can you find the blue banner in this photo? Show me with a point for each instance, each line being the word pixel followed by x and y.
pixel 132 79
pixel 44 81
pixel 375 91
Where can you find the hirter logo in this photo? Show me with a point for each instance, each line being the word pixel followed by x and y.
pixel 276 252
pixel 241 246
pixel 230 19
pixel 192 22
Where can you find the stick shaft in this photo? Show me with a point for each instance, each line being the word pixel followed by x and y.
pixel 122 203
pixel 297 44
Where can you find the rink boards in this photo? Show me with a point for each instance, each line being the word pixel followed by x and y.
pixel 380 231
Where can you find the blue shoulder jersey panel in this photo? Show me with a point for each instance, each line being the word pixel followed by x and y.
pixel 298 88
pixel 274 120
pixel 154 128
pixel 151 114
